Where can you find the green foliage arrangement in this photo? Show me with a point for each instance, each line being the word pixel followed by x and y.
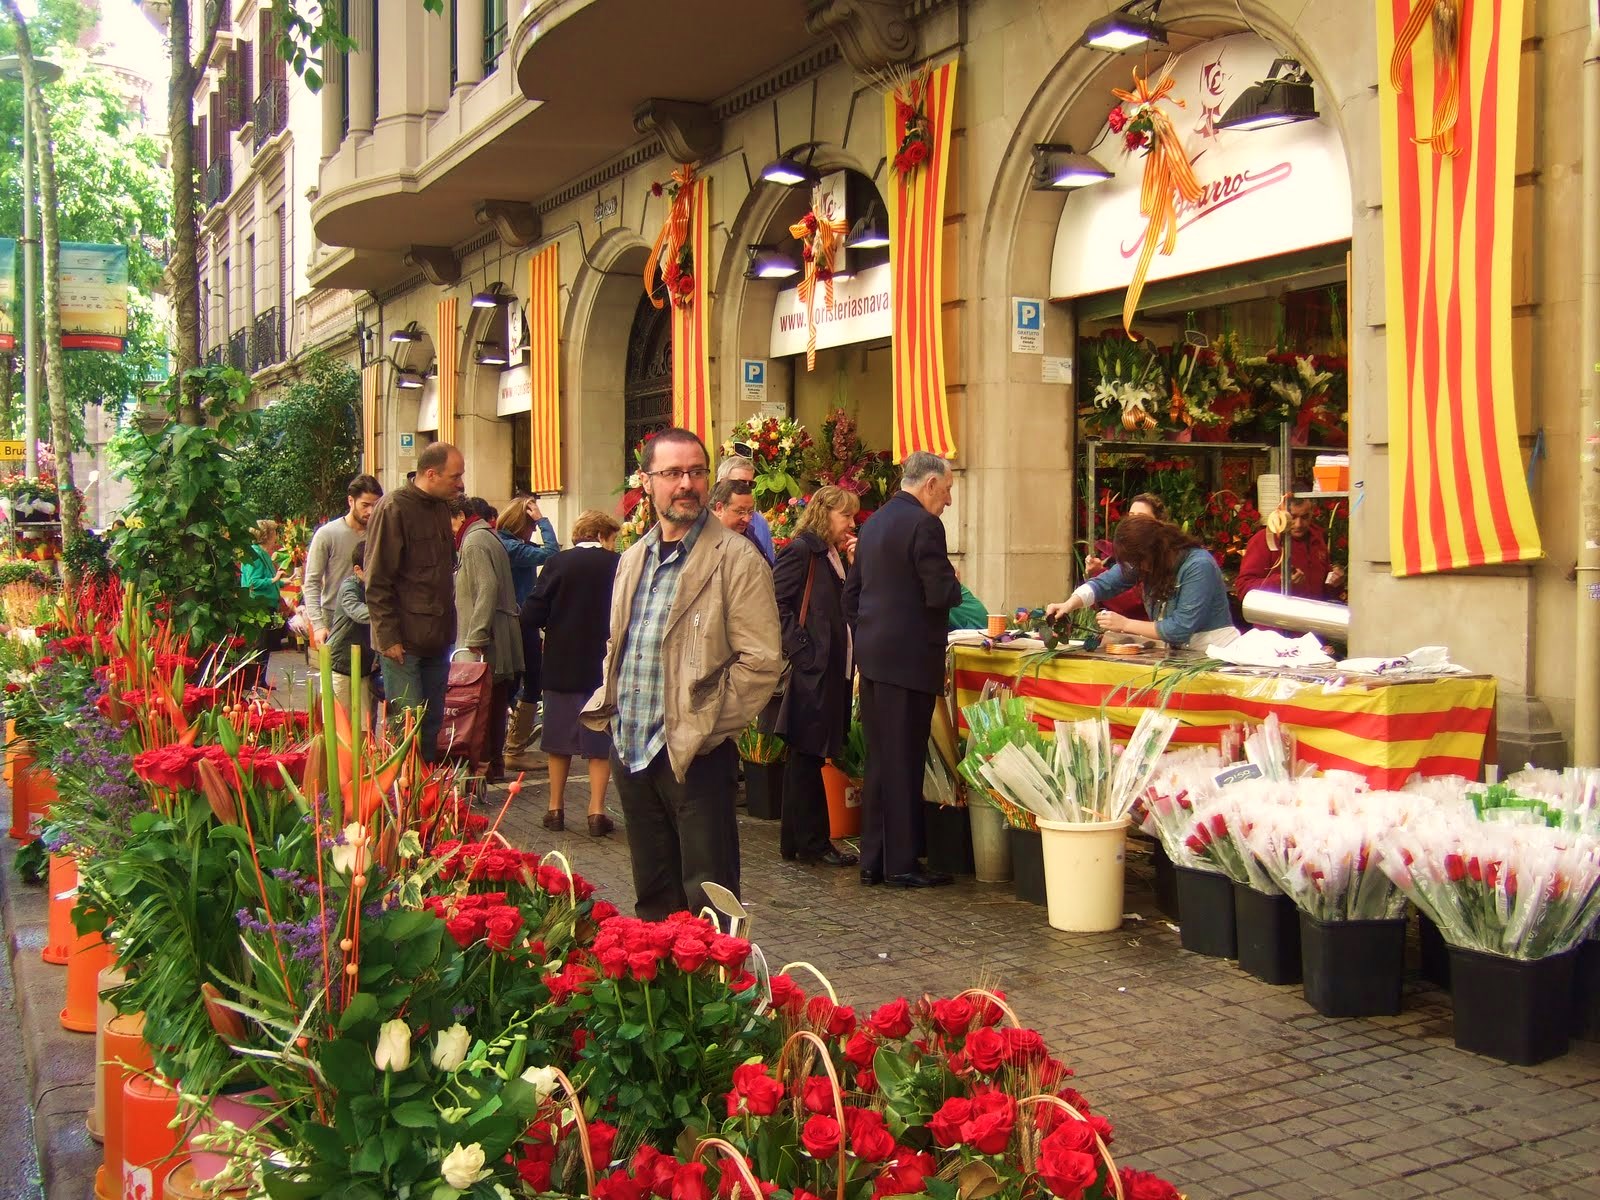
pixel 300 460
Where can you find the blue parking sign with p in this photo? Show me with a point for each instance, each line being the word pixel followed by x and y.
pixel 755 372
pixel 1030 315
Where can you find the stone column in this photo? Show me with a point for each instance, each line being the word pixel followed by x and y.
pixel 469 42
pixel 332 104
pixel 362 65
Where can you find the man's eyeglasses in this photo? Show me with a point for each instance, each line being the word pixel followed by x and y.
pixel 676 474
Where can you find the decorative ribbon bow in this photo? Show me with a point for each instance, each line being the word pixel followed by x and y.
pixel 1167 176
pixel 1445 16
pixel 674 232
pixel 820 234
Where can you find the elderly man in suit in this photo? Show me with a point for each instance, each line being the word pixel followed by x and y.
pixel 898 599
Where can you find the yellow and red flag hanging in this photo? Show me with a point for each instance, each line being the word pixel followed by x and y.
pixel 544 368
pixel 1448 109
pixel 371 390
pixel 916 188
pixel 448 347
pixel 682 256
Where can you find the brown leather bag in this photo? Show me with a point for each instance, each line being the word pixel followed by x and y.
pixel 464 735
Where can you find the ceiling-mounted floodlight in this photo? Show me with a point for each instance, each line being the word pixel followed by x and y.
pixel 411 333
pixel 492 354
pixel 868 233
pixel 1282 98
pixel 1123 30
pixel 493 296
pixel 1060 166
pixel 409 380
pixel 766 262
pixel 790 171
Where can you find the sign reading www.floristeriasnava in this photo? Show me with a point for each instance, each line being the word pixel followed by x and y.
pixel 1267 191
pixel 859 313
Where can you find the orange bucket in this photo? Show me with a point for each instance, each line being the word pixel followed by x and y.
pixel 63 884
pixel 149 1145
pixel 19 757
pixel 39 786
pixel 185 1184
pixel 844 802
pixel 90 956
pixel 124 1055
pixel 105 1013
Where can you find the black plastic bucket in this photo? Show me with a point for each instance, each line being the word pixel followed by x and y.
pixel 1268 932
pixel 1205 913
pixel 1166 882
pixel 1434 952
pixel 763 790
pixel 1586 991
pixel 1027 865
pixel 949 841
pixel 1353 968
pixel 1516 1010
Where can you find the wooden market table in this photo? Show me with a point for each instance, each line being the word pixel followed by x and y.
pixel 1386 729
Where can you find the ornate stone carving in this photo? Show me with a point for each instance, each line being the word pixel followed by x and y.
pixel 516 222
pixel 687 130
pixel 438 264
pixel 872 34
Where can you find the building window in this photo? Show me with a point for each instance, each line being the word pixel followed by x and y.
pixel 494 33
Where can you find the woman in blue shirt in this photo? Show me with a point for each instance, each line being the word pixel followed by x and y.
pixel 515 527
pixel 1183 587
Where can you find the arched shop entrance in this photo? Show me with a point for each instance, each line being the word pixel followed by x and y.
pixel 647 385
pixel 1234 385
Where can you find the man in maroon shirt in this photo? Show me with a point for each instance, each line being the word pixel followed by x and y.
pixel 1312 576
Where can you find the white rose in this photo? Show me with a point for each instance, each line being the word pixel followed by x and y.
pixel 348 857
pixel 463 1166
pixel 450 1051
pixel 543 1079
pixel 394 1046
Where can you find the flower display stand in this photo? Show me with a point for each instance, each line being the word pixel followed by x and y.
pixel 1353 968
pixel 1027 865
pixel 949 839
pixel 1268 933
pixel 763 790
pixel 1206 923
pixel 1516 1010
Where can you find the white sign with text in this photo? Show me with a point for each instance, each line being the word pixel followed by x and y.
pixel 1266 191
pixel 860 313
pixel 515 393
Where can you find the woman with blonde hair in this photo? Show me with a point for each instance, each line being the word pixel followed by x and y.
pixel 572 601
pixel 808 579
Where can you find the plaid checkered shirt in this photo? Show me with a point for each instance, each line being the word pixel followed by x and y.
pixel 640 728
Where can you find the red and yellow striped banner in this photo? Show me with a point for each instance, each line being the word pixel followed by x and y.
pixel 916 258
pixel 1386 732
pixel 371 390
pixel 447 344
pixel 544 366
pixel 691 326
pixel 1458 494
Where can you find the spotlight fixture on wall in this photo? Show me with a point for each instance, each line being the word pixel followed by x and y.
pixel 492 354
pixel 1285 96
pixel 767 262
pixel 1127 30
pixel 869 232
pixel 409 380
pixel 790 171
pixel 1057 166
pixel 493 296
pixel 410 333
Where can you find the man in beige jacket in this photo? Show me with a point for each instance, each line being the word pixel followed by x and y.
pixel 693 656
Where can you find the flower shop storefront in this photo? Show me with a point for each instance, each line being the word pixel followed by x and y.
pixel 1212 344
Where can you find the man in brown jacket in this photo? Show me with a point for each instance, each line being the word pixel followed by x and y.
pixel 693 656
pixel 411 590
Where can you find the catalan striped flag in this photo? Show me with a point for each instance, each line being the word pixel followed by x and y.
pixel 544 367
pixel 371 390
pixel 1458 497
pixel 916 258
pixel 691 325
pixel 447 345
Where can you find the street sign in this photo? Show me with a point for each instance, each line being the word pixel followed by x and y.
pixel 13 451
pixel 408 445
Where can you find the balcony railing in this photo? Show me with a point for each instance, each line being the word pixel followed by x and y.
pixel 266 340
pixel 214 356
pixel 239 350
pixel 219 181
pixel 271 111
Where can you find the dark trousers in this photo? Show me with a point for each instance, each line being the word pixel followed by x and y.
pixel 680 835
pixel 896 722
pixel 268 642
pixel 531 682
pixel 499 713
pixel 804 829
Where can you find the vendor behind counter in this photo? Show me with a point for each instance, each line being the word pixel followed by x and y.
pixel 1312 573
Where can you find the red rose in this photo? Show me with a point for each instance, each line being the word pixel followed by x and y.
pixel 906 1175
pixel 866 1081
pixel 1141 1185
pixel 817 1095
pixel 1102 1128
pixel 1067 1173
pixel 1117 119
pixel 953 1017
pixel 689 954
pixel 534 1173
pixel 690 1183
pixel 755 1092
pixel 603 910
pixel 912 155
pixel 945 1125
pixel 1024 1046
pixel 656 189
pixel 787 996
pixel 1133 139
pixel 834 1020
pixel 870 1139
pixel 657 1171
pixel 989 1130
pixel 985 1050
pixel 1072 1135
pixel 859 1050
pixel 602 1137
pixel 463 928
pixel 618 1185
pixel 643 965
pixel 729 952
pixel 892 1020
pixel 502 928
pixel 820 1137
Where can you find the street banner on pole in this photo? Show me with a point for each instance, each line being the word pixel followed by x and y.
pixel 94 297
pixel 8 293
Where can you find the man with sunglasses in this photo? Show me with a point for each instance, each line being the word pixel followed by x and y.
pixel 741 468
pixel 693 657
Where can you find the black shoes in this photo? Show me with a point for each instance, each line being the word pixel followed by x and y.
pixel 918 879
pixel 871 878
pixel 832 857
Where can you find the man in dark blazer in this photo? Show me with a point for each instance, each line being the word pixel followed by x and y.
pixel 898 599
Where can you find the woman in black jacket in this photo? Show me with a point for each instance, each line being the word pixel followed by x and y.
pixel 809 581
pixel 571 602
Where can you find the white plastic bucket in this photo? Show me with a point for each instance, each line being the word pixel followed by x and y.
pixel 1083 873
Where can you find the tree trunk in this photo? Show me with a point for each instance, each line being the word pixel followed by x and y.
pixel 183 272
pixel 55 375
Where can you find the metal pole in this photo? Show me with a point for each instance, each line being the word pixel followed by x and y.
pixel 30 317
